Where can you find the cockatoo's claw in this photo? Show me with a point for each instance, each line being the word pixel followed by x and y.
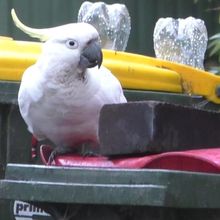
pixel 90 153
pixel 84 150
pixel 88 149
pixel 60 151
pixel 52 157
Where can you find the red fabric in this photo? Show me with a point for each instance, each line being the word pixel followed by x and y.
pixel 204 160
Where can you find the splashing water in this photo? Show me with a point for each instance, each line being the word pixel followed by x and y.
pixel 111 21
pixel 181 40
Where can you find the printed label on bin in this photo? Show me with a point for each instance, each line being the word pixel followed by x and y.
pixel 24 210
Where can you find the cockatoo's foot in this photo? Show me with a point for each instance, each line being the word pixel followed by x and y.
pixel 89 149
pixel 89 153
pixel 51 157
pixel 85 149
pixel 60 151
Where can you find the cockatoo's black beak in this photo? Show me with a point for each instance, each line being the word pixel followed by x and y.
pixel 91 56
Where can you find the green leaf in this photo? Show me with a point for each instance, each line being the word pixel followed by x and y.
pixel 213 43
pixel 215 50
pixel 216 36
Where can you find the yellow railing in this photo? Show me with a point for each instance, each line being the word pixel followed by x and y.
pixel 134 71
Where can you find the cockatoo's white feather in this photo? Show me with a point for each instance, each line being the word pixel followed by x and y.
pixel 42 34
pixel 60 96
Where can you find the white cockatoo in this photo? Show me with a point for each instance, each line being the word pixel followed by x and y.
pixel 61 95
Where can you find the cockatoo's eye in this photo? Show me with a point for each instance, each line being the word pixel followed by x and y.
pixel 72 44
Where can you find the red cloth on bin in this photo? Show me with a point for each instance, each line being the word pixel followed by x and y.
pixel 202 160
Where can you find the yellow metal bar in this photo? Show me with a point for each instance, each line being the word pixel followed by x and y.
pixel 193 81
pixel 16 56
pixel 134 71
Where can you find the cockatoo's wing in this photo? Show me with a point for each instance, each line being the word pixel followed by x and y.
pixel 29 93
pixel 112 87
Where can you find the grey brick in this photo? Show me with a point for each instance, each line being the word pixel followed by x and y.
pixel 155 127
